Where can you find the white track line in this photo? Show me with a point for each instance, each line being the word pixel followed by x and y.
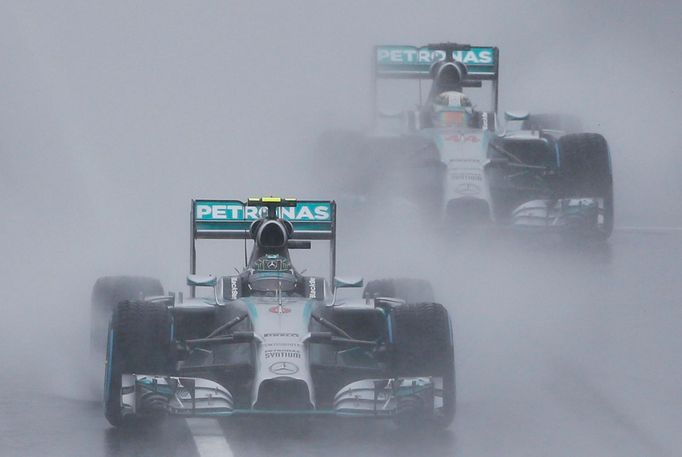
pixel 209 438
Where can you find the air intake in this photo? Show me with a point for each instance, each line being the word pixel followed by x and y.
pixel 283 394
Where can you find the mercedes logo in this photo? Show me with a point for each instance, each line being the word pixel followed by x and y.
pixel 283 368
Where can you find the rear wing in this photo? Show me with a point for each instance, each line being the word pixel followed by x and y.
pixel 232 219
pixel 411 62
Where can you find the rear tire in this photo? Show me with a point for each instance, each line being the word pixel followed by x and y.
pixel 423 346
pixel 139 342
pixel 407 289
pixel 585 172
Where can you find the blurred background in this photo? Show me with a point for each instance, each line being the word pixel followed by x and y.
pixel 113 115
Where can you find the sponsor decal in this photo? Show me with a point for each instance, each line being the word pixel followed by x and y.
pixel 467 188
pixel 465 160
pixel 466 177
pixel 236 211
pixel 312 287
pixel 279 309
pixel 282 344
pixel 282 354
pixel 281 335
pixel 411 55
pixel 283 368
pixel 484 121
pixel 234 291
pixel 459 138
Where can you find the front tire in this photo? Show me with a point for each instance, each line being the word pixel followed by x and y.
pixel 107 292
pixel 423 346
pixel 585 172
pixel 139 341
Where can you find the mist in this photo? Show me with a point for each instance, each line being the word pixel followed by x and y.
pixel 113 116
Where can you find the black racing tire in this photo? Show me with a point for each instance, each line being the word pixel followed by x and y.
pixel 408 289
pixel 422 345
pixel 585 171
pixel 107 292
pixel 139 341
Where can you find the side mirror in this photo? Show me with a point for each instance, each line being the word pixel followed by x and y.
pixel 516 115
pixel 201 281
pixel 348 282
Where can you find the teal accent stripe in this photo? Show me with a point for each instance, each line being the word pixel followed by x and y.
pixel 389 321
pixel 452 332
pixel 110 362
pixel 241 225
pixel 308 310
pixel 252 308
pixel 485 140
pixel 425 69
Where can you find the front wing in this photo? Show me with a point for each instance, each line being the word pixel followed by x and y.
pixel 196 397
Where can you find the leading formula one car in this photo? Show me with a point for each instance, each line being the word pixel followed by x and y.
pixel 271 341
pixel 458 161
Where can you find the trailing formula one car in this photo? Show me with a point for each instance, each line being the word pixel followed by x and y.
pixel 271 341
pixel 457 160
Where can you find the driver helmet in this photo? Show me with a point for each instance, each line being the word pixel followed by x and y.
pixel 451 109
pixel 272 263
pixel 271 273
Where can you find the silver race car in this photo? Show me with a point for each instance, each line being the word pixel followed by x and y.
pixel 461 163
pixel 270 340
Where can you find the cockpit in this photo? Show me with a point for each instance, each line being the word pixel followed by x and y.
pixel 272 284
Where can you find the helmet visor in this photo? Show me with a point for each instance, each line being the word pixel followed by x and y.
pixel 449 118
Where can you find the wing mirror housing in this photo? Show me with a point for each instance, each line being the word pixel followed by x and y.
pixel 516 115
pixel 201 281
pixel 348 282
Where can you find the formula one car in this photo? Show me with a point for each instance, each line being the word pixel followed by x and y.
pixel 271 341
pixel 458 161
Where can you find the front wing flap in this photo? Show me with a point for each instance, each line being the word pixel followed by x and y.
pixel 181 396
pixel 195 397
